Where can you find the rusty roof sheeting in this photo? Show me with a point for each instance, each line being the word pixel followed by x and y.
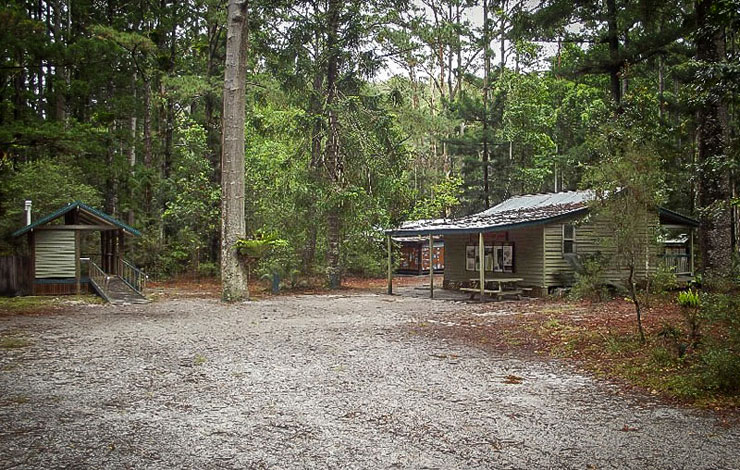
pixel 518 211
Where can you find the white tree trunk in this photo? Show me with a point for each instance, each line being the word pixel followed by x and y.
pixel 233 276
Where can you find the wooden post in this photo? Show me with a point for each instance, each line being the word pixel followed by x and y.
pixel 114 253
pixel 420 257
pixel 482 265
pixel 390 266
pixel 691 249
pixel 431 267
pixel 78 270
pixel 102 250
pixel 32 256
pixel 121 250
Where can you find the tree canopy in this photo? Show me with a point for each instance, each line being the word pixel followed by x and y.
pixel 360 115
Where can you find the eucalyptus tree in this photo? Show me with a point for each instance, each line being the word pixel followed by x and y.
pixel 233 275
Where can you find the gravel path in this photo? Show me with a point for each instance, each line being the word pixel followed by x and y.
pixel 314 382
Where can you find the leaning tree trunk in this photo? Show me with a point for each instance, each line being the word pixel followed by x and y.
pixel 233 276
pixel 715 213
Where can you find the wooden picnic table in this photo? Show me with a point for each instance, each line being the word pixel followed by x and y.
pixel 499 292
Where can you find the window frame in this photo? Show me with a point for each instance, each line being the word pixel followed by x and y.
pixel 573 240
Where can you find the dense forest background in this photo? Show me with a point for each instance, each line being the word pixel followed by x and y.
pixel 361 114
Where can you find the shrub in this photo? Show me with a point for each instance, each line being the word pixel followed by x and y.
pixel 672 337
pixel 208 270
pixel 721 370
pixel 589 284
pixel 662 356
pixel 663 280
pixel 719 365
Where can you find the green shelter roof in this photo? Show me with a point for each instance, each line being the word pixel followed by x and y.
pixel 93 214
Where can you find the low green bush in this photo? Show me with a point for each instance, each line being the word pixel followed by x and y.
pixel 721 370
pixel 588 279
pixel 663 280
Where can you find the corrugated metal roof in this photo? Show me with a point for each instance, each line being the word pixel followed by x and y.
pixel 84 207
pixel 520 211
pixel 515 212
pixel 542 201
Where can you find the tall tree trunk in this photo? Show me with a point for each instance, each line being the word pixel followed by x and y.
pixel 486 71
pixel 502 37
pixel 132 153
pixel 332 162
pixel 147 131
pixel 661 90
pixel 613 43
pixel 60 72
pixel 233 275
pixel 715 214
pixel 317 132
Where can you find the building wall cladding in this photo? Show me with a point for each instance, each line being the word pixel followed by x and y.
pixel 593 234
pixel 55 254
pixel 538 255
pixel 528 264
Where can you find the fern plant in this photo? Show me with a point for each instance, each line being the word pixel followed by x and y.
pixel 690 303
pixel 689 299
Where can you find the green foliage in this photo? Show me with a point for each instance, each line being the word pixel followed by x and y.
pixel 721 370
pixel 192 210
pixel 589 279
pixel 444 199
pixel 662 280
pixel 51 185
pixel 721 356
pixel 260 245
pixel 411 145
pixel 689 298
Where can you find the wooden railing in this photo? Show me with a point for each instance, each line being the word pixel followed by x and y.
pixel 678 263
pixel 131 275
pixel 98 278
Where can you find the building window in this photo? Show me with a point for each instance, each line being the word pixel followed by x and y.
pixel 498 257
pixel 569 239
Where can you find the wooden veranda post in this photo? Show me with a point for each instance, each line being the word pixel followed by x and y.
pixel 78 268
pixel 121 250
pixel 390 267
pixel 691 248
pixel 481 265
pixel 114 253
pixel 431 266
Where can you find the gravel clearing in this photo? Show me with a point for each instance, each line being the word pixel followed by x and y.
pixel 315 382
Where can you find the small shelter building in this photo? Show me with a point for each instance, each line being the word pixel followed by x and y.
pixel 58 265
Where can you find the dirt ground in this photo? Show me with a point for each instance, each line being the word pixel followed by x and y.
pixel 316 382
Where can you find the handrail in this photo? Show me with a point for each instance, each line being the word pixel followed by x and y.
pixel 98 278
pixel 133 276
